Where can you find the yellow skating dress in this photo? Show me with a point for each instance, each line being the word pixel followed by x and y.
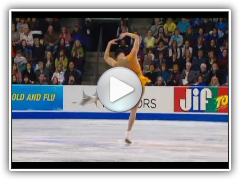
pixel 134 65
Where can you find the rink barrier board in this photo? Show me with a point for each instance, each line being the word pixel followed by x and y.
pixel 158 103
pixel 150 103
pixel 33 97
pixel 117 116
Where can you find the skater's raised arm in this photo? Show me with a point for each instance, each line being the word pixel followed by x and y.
pixel 107 58
pixel 136 44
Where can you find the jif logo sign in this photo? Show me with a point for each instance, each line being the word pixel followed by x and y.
pixel 192 99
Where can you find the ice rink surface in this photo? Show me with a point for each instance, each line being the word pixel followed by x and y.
pixel 103 140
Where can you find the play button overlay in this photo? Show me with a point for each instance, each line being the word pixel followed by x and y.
pixel 119 89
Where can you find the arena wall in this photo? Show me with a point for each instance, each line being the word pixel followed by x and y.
pixel 158 103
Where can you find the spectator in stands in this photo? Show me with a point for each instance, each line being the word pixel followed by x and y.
pixel 221 37
pixel 51 39
pixel 49 62
pixel 77 34
pixel 123 24
pixel 152 75
pixel 158 62
pixel 26 50
pixel 154 28
pixel 29 72
pixel 17 73
pixel 214 20
pixel 175 76
pixel 140 39
pixel 214 81
pixel 20 60
pixel 38 51
pixel 174 48
pixel 200 81
pixel 14 79
pixel 173 60
pixel 225 36
pixel 183 25
pixel 15 35
pixel 161 23
pixel 71 80
pixel 87 28
pixel 162 49
pixel 223 61
pixel 161 37
pixel 66 36
pixel 55 81
pixel 146 63
pixel 149 41
pixel 20 25
pixel 213 47
pixel 225 81
pixel 197 61
pixel 204 73
pixel 207 25
pixel 202 35
pixel 196 23
pixel 56 24
pixel 42 79
pixel 123 47
pixel 189 36
pixel 224 46
pixel 78 55
pixel 27 35
pixel 188 76
pixel 212 59
pixel 214 35
pixel 26 80
pixel 199 46
pixel 222 25
pixel 62 59
pixel 160 82
pixel 71 71
pixel 35 24
pixel 214 71
pixel 150 53
pixel 169 27
pixel 176 37
pixel 42 70
pixel 13 52
pixel 59 73
pixel 185 47
pixel 62 45
pixel 126 38
pixel 186 58
pixel 44 23
pixel 149 58
pixel 164 73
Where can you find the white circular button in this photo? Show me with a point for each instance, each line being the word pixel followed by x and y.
pixel 119 89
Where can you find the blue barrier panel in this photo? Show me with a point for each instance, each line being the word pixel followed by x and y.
pixel 115 116
pixel 37 97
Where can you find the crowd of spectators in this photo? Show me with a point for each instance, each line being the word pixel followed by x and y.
pixel 182 52
pixel 174 52
pixel 45 52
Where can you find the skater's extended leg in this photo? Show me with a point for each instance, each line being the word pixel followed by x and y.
pixel 132 119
